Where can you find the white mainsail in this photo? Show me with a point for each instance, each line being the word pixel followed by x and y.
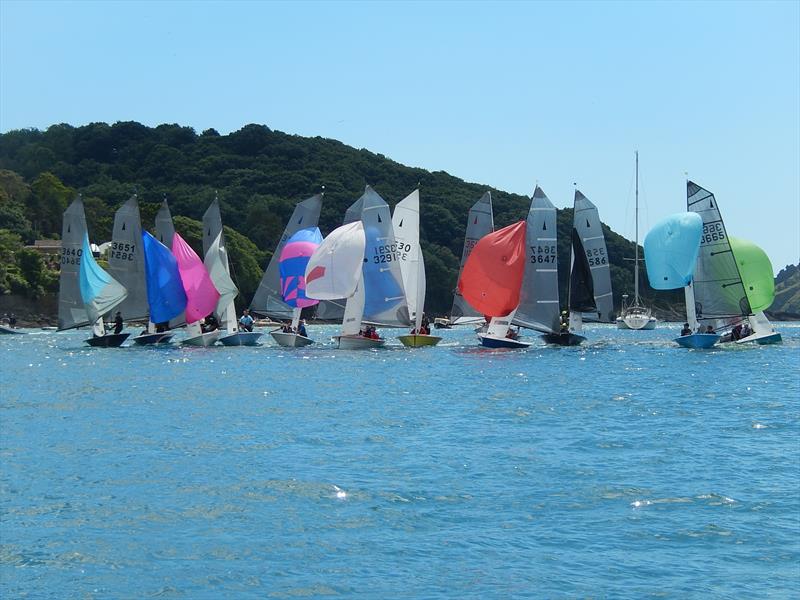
pixel 405 223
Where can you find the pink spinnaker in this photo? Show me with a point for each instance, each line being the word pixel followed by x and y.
pixel 201 295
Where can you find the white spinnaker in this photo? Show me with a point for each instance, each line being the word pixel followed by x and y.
pixel 405 222
pixel 334 270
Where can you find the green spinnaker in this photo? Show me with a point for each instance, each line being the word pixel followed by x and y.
pixel 756 272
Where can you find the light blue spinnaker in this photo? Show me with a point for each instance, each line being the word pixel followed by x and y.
pixel 670 250
pixel 100 292
pixel 165 294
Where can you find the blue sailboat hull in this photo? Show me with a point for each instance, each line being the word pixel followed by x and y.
pixel 699 341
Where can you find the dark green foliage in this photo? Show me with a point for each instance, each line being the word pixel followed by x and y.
pixel 259 175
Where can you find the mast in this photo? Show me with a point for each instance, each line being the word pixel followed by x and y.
pixel 636 249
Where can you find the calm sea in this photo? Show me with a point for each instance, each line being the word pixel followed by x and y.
pixel 625 468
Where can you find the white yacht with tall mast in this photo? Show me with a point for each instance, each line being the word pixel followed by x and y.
pixel 636 315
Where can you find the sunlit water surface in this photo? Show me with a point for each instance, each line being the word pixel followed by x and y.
pixel 625 468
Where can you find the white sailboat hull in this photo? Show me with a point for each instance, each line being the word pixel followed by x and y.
pixel 291 340
pixel 204 339
pixel 241 338
pixel 357 342
pixel 636 322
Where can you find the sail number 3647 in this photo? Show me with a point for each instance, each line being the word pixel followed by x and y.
pixel 543 254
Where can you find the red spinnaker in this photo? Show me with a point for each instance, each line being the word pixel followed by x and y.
pixel 492 275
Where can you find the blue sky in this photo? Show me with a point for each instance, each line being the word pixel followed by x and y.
pixel 505 94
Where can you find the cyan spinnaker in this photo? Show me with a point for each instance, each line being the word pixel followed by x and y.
pixel 165 294
pixel 755 269
pixel 100 292
pixel 294 258
pixel 670 250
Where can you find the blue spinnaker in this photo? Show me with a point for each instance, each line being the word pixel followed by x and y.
pixel 100 292
pixel 670 250
pixel 165 294
pixel 294 258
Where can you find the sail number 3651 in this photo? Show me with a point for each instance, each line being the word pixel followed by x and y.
pixel 122 251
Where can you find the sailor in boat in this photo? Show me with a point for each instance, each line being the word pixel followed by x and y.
pixel 301 328
pixel 210 323
pixel 686 329
pixel 736 332
pixel 12 320
pixel 512 334
pixel 287 328
pixel 118 325
pixel 246 321
pixel 746 331
pixel 563 322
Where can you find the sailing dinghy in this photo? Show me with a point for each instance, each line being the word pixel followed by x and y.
pixel 671 249
pixel 101 294
pixel 405 223
pixel 589 293
pixel 293 261
pixel 268 299
pixel 480 222
pixel 201 295
pixel 539 302
pixel 334 272
pixel 73 311
pixel 723 296
pixel 216 261
pixel 491 280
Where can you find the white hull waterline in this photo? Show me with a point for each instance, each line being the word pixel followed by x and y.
pixel 204 339
pixel 241 338
pixel 291 340
pixel 357 342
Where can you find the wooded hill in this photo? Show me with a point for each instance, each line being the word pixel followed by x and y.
pixel 259 175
